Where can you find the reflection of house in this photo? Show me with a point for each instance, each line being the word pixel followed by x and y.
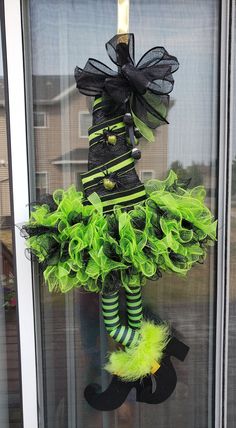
pixel 60 116
pixel 73 164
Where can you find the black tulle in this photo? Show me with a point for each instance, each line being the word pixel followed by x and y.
pixel 146 85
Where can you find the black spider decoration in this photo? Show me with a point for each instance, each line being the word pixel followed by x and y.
pixel 110 136
pixel 111 180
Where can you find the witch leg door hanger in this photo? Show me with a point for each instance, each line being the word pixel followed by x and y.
pixel 119 232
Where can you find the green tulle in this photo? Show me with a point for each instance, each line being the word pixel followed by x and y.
pixel 170 231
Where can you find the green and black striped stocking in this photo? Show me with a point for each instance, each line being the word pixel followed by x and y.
pixel 134 307
pixel 126 335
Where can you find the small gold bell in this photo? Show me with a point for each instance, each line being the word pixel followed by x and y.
pixel 111 139
pixel 108 184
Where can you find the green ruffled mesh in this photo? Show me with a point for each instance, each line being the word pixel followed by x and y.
pixel 170 231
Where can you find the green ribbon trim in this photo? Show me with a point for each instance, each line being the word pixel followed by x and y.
pixel 117 201
pixel 105 124
pixel 144 129
pixel 97 101
pixel 119 165
pixel 116 127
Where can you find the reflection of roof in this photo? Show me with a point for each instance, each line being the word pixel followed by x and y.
pixel 47 89
pixel 50 89
pixel 79 155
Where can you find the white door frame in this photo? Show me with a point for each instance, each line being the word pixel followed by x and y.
pixel 15 105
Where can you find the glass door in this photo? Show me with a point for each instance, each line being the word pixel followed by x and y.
pixel 72 345
pixel 231 373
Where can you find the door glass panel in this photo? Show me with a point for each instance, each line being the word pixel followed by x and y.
pixel 231 386
pixel 73 342
pixel 10 386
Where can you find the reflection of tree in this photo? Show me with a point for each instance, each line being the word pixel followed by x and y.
pixel 192 171
pixel 195 174
pixel 234 176
pixel 177 167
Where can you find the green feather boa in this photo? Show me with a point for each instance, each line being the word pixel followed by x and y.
pixel 138 360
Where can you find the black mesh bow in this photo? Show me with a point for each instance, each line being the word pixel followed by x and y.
pixel 144 87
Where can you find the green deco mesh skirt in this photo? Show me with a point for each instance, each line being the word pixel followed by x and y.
pixel 78 246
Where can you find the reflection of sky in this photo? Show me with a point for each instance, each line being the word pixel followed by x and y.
pixel 189 30
pixel 66 33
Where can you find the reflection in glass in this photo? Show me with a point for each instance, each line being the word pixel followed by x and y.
pixel 231 387
pixel 10 387
pixel 73 341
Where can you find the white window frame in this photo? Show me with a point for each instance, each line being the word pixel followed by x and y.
pixel 79 123
pixel 45 115
pixel 20 189
pixel 143 171
pixel 45 173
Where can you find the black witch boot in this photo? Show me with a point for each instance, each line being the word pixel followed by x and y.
pixel 134 360
pixel 163 382
pixel 114 396
pixel 176 348
pixel 164 379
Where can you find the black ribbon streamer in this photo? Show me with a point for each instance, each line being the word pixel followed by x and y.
pixel 144 87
